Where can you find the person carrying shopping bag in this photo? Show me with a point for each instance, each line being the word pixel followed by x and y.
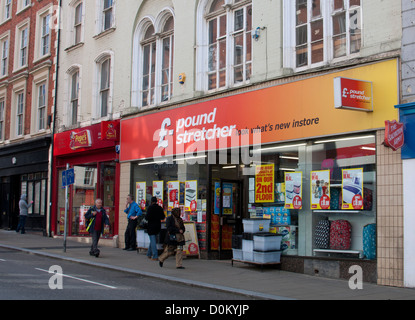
pixel 174 241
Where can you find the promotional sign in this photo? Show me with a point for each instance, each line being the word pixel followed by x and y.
pixel 173 191
pixel 352 189
pixel 140 194
pixel 158 187
pixel 227 198
pixel 190 202
pixel 394 135
pixel 191 247
pixel 320 189
pixel 293 190
pixel 217 198
pixel 295 110
pixel 353 94
pixel 264 183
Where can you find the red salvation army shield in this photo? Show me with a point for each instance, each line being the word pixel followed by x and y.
pixel 394 135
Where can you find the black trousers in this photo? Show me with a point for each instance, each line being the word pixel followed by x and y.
pixel 130 235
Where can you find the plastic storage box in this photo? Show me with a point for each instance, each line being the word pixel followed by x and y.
pixel 267 257
pixel 267 242
pixel 248 255
pixel 247 245
pixel 237 254
pixel 256 225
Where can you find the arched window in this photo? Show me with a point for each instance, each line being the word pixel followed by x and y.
pixel 226 35
pixel 152 78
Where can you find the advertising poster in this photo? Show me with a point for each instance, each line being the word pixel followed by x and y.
pixel 158 191
pixel 173 191
pixel 264 183
pixel 293 190
pixel 191 246
pixel 320 189
pixel 217 198
pixel 190 202
pixel 227 199
pixel 82 221
pixel 140 194
pixel 352 189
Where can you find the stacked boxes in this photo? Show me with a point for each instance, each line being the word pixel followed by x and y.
pixel 258 245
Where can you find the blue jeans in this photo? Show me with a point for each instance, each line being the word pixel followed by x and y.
pixel 22 223
pixel 152 249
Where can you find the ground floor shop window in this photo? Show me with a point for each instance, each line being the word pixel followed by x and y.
pixel 34 185
pixel 92 181
pixel 324 196
pixel 318 194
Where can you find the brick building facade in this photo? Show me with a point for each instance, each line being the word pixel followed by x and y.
pixel 28 40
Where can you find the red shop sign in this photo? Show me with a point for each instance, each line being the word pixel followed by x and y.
pixel 394 135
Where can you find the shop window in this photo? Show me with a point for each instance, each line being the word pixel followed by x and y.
pixel 91 182
pixel 179 184
pixel 35 187
pixel 326 181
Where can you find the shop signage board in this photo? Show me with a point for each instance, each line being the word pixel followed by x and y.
pixel 394 135
pixel 293 190
pixel 353 94
pixel 295 110
pixel 352 189
pixel 191 247
pixel 320 189
pixel 264 183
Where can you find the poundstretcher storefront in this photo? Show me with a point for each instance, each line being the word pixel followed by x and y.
pixel 290 153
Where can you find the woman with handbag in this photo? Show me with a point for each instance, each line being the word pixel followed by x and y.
pixel 174 241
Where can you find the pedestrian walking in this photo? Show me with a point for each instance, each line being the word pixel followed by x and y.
pixel 133 211
pixel 23 211
pixel 154 216
pixel 97 218
pixel 174 241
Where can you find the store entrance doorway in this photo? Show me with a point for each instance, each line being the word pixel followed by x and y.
pixel 228 215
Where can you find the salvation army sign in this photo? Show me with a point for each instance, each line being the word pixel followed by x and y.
pixel 394 135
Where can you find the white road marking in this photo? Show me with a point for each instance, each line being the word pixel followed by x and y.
pixel 84 280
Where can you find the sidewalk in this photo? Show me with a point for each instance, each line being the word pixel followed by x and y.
pixel 220 275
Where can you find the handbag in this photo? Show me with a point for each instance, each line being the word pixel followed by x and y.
pixel 172 237
pixel 143 223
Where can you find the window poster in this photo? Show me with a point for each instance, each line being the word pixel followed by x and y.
pixel 352 189
pixel 173 191
pixel 320 189
pixel 217 197
pixel 158 191
pixel 227 198
pixel 140 194
pixel 264 183
pixel 293 190
pixel 190 202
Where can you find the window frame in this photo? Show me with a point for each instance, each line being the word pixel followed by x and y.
pixel 327 15
pixel 204 74
pixel 156 43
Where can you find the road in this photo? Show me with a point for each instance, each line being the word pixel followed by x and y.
pixel 26 276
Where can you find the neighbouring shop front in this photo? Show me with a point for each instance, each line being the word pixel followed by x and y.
pixel 91 152
pixel 24 169
pixel 292 153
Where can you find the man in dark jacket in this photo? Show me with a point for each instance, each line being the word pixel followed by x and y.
pixel 98 218
pixel 155 215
